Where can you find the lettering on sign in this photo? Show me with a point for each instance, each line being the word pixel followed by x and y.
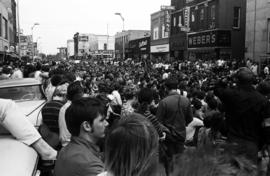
pixel 186 17
pixel 203 39
pixel 142 43
pixel 167 21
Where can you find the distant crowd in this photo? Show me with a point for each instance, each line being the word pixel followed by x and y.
pixel 143 118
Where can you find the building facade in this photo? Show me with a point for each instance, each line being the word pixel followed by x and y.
pixel 122 41
pixel 10 5
pixel 258 29
pixel 82 44
pixel 102 46
pixel 4 32
pixel 160 49
pixel 208 29
pixel 70 48
pixel 139 49
pixel 62 54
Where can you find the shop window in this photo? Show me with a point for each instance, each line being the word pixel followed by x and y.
pixel 0 25
pixel 4 28
pixel 268 29
pixel 155 36
pixel 180 21
pixel 236 17
pixel 202 14
pixel 213 12
pixel 192 16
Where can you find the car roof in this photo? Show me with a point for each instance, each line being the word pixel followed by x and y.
pixel 19 82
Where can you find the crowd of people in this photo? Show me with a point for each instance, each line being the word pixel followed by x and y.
pixel 143 118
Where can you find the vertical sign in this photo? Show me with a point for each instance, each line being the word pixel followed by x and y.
pixel 167 22
pixel 268 29
pixel 187 17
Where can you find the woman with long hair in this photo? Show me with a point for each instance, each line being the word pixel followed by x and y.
pixel 131 148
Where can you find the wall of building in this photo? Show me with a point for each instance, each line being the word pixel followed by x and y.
pixel 257 29
pixel 226 15
pixel 160 48
pixel 4 42
pixel 70 48
pixel 126 36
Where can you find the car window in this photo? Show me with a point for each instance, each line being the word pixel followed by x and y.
pixel 22 93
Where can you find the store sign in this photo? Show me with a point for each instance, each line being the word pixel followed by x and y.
pixel 187 17
pixel 167 21
pixel 83 38
pixel 139 46
pixel 164 7
pixel 209 39
pixel 160 48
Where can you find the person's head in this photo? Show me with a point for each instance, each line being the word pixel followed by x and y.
pixel 171 83
pixel 74 91
pixel 86 117
pixel 145 95
pixel 264 87
pixel 131 148
pixel 244 76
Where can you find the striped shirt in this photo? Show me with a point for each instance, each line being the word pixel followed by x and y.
pixel 157 125
pixel 50 114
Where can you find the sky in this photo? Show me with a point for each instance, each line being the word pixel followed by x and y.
pixel 59 20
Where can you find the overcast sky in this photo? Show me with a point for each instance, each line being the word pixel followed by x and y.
pixel 60 19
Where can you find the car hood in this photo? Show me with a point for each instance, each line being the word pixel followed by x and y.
pixel 16 158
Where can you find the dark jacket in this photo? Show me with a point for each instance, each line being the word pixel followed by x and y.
pixel 245 111
pixel 80 158
pixel 175 111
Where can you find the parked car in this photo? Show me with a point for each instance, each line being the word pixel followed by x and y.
pixel 16 157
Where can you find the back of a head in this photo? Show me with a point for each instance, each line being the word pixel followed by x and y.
pixel 171 83
pixel 244 76
pixel 81 110
pixel 74 91
pixel 145 95
pixel 131 148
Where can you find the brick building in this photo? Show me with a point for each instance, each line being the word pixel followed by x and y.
pixel 208 29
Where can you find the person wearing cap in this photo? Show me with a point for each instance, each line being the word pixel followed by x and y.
pixel 247 114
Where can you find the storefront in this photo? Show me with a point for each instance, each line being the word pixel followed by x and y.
pixel 178 46
pixel 214 44
pixel 139 49
pixel 160 52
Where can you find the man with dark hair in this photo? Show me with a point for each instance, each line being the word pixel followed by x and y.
pixel 175 112
pixel 247 114
pixel 86 121
pixel 74 92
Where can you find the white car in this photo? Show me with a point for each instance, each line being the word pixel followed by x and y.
pixel 18 159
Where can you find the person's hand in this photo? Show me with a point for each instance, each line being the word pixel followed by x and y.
pixel 163 136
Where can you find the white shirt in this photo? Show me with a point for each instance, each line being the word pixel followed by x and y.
pixel 13 119
pixel 190 129
pixel 64 134
pixel 17 74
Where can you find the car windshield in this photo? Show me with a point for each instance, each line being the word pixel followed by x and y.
pixel 22 93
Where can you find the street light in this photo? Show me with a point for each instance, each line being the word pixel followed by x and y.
pixel 122 18
pixel 32 29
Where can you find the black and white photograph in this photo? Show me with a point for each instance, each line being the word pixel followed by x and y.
pixel 134 88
